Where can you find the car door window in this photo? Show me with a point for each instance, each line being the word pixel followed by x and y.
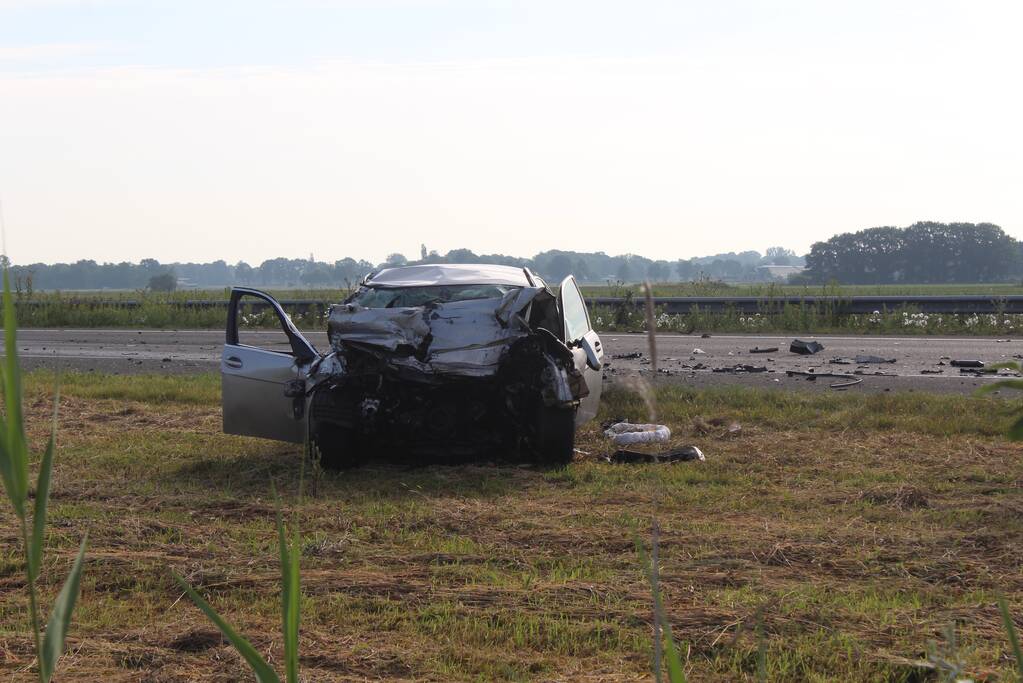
pixel 259 326
pixel 256 320
pixel 577 320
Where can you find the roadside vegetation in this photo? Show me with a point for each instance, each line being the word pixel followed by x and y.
pixel 855 530
pixel 169 310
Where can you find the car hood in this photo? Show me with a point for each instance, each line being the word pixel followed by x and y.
pixel 467 338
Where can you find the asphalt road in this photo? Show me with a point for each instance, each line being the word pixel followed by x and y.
pixel 192 351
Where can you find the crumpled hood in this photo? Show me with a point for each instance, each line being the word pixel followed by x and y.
pixel 457 338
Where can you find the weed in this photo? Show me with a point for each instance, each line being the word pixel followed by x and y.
pixel 14 470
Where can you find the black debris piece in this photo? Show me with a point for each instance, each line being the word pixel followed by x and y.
pixel 684 454
pixel 967 364
pixel 841 361
pixel 978 371
pixel 873 359
pixel 805 348
pixel 705 335
pixel 627 356
pixel 925 371
pixel 769 349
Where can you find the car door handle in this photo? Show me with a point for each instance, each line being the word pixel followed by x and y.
pixel 233 362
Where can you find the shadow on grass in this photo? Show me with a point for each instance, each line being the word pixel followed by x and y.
pixel 251 473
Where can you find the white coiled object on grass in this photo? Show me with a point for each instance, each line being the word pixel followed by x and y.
pixel 629 434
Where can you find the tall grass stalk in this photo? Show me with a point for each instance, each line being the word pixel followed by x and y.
pixel 663 639
pixel 14 471
pixel 1010 630
pixel 291 597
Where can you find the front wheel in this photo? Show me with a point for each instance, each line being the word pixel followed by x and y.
pixel 554 441
pixel 338 448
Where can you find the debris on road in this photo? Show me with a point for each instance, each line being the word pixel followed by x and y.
pixel 978 371
pixel 967 364
pixel 805 348
pixel 873 359
pixel 741 368
pixel 769 349
pixel 925 371
pixel 627 356
pixel 628 434
pixel 683 454
pixel 847 380
pixel 699 351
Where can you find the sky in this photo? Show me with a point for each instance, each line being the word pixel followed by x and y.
pixel 192 131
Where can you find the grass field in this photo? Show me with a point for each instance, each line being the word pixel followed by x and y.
pixel 854 528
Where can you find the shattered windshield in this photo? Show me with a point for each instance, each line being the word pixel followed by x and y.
pixel 404 297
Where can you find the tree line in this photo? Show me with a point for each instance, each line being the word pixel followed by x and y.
pixel 923 253
pixel 554 265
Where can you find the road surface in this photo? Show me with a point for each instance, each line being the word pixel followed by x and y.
pixel 916 358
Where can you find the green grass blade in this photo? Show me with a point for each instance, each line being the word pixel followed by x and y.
pixel 1001 384
pixel 262 670
pixel 14 453
pixel 60 617
pixel 761 649
pixel 676 670
pixel 1010 629
pixel 35 555
pixel 290 598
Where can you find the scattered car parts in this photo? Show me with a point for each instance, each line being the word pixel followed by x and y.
pixel 805 348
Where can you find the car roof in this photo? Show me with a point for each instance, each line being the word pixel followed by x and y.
pixel 427 275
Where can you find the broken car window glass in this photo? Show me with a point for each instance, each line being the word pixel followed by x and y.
pixel 577 323
pixel 406 297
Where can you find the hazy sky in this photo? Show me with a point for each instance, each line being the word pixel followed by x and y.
pixel 186 130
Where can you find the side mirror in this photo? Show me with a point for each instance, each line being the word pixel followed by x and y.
pixel 591 348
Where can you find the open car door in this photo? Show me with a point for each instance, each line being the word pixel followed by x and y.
pixel 262 389
pixel 585 344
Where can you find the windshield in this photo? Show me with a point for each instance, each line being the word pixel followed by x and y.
pixel 404 297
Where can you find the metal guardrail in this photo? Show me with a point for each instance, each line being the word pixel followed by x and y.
pixel 974 303
pixel 849 305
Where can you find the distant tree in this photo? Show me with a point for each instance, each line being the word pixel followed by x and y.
pixel 558 268
pixel 422 252
pixel 624 272
pixel 922 253
pixel 780 256
pixel 243 272
pixel 581 270
pixel 164 282
pixel 317 275
pixel 658 271
pixel 461 256
pixel 396 259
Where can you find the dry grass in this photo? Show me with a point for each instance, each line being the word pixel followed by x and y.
pixel 856 544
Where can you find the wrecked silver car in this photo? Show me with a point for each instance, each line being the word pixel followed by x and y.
pixel 455 360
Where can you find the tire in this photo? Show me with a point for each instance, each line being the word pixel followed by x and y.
pixel 338 448
pixel 554 441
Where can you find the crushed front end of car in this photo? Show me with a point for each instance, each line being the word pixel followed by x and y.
pixel 446 372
